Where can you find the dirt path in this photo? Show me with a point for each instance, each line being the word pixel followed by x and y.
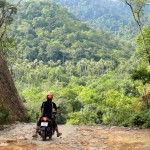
pixel 19 137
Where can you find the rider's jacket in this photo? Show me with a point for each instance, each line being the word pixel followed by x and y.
pixel 48 107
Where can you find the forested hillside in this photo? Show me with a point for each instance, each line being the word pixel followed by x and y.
pixel 107 15
pixel 88 71
pixel 57 35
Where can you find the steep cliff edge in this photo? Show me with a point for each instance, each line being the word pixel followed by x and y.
pixel 9 98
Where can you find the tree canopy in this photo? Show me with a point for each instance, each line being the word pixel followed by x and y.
pixel 88 71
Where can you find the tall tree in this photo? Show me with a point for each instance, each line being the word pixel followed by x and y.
pixel 9 98
pixel 136 7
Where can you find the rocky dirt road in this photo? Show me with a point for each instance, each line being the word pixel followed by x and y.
pixel 19 137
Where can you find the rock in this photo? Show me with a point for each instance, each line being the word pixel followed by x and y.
pixel 103 137
pixel 64 142
pixel 17 122
pixel 22 138
pixel 33 142
pixel 4 144
pixel 113 127
pixel 94 148
pixel 85 134
pixel 100 128
pixel 128 129
pixel 11 140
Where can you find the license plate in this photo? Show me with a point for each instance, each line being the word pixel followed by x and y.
pixel 45 124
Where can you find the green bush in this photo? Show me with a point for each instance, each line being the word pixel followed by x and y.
pixel 3 115
pixel 142 119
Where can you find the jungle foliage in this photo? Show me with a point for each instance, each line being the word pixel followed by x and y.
pixel 88 71
pixel 108 15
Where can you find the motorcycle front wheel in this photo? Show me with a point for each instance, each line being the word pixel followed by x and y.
pixel 50 137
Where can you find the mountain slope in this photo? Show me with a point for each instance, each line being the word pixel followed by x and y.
pixel 57 35
pixel 107 15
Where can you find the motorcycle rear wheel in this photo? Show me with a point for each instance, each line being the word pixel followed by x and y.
pixel 43 135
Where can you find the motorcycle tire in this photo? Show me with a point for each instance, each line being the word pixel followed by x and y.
pixel 50 137
pixel 43 135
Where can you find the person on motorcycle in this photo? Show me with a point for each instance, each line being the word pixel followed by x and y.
pixel 47 110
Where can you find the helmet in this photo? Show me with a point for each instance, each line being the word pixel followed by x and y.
pixel 49 96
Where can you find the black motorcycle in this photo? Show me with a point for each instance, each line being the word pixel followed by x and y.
pixel 47 128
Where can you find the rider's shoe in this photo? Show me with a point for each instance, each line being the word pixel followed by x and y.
pixel 59 134
pixel 35 135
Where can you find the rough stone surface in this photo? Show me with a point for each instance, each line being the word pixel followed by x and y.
pixel 19 137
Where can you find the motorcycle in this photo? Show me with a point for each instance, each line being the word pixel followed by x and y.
pixel 47 128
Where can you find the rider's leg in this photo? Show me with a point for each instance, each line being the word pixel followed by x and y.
pixel 58 133
pixel 36 132
pixel 56 128
pixel 37 128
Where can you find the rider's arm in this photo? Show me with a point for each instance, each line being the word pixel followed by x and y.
pixel 55 107
pixel 56 110
pixel 42 107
